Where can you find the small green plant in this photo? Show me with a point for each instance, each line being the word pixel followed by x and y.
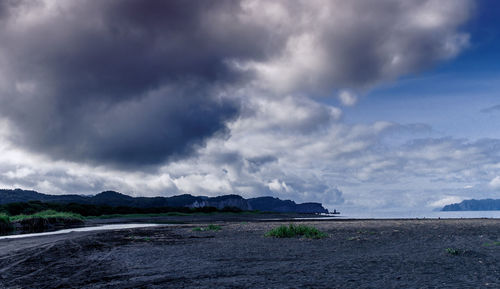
pixel 452 251
pixel 214 227
pixel 210 227
pixel 496 243
pixel 5 224
pixel 292 230
pixel 4 219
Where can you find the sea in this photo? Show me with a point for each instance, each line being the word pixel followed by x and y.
pixel 418 215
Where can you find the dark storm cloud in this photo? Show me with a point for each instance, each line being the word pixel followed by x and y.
pixel 140 82
pixel 124 82
pixel 256 162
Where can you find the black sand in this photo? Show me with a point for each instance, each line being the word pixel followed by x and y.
pixel 358 254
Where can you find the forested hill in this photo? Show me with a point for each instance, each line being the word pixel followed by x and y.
pixel 115 199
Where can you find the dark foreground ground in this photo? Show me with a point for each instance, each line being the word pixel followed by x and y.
pixel 357 254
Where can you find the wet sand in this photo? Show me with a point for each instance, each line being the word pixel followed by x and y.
pixel 357 254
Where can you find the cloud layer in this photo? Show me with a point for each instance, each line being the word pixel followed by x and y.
pixel 215 96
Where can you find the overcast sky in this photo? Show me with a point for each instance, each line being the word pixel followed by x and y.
pixel 355 104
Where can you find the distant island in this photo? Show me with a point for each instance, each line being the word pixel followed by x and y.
pixel 474 205
pixel 115 199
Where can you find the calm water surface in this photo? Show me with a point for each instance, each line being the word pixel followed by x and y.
pixel 421 215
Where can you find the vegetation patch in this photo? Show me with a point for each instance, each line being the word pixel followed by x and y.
pixel 5 224
pixel 4 219
pixel 104 211
pixel 453 251
pixel 48 214
pixel 210 227
pixel 496 243
pixel 44 220
pixel 39 221
pixel 292 230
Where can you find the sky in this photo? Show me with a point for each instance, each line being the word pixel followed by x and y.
pixel 359 105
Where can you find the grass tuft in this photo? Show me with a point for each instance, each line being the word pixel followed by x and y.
pixel 214 227
pixel 452 251
pixel 495 243
pixel 292 230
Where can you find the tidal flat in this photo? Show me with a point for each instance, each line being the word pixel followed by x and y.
pixel 431 253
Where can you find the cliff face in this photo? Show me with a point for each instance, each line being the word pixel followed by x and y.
pixel 270 204
pixel 474 205
pixel 114 199
pixel 222 202
pixel 230 201
pixel 311 208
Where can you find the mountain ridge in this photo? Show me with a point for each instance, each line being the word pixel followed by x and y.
pixel 116 199
pixel 474 205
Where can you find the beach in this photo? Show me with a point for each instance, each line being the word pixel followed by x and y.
pixel 430 253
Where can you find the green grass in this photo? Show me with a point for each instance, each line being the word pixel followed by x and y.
pixel 214 227
pixel 292 230
pixel 4 219
pixel 5 224
pixel 210 227
pixel 496 243
pixel 452 251
pixel 47 214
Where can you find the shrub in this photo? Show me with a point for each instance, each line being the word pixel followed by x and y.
pixel 292 230
pixel 452 251
pixel 5 224
pixel 44 220
pixel 213 227
pixel 4 219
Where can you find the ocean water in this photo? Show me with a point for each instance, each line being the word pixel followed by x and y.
pixel 419 215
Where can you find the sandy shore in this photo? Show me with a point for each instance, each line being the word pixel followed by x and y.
pixel 357 254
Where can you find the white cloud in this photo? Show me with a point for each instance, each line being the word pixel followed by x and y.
pixel 277 186
pixel 495 182
pixel 327 46
pixel 446 201
pixel 348 98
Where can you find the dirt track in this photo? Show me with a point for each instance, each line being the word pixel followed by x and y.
pixel 358 254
